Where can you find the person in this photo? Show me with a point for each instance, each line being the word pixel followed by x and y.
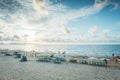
pixel 24 58
pixel 105 60
pixel 113 55
pixel 63 53
pixel 116 60
pixel 52 55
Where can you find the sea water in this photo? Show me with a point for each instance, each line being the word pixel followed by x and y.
pixel 102 50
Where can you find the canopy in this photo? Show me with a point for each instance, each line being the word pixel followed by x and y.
pixel 93 58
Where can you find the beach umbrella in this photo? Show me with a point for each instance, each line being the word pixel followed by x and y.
pixel 57 55
pixel 104 59
pixel 93 58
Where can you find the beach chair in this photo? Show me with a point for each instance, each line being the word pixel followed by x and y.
pixel 44 59
pixel 23 59
pixel 7 54
pixel 57 60
pixel 62 59
pixel 17 55
pixel 73 60
pixel 83 62
pixel 98 63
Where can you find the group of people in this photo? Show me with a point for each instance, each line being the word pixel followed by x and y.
pixel 115 58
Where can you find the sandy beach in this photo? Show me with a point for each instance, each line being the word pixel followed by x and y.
pixel 12 69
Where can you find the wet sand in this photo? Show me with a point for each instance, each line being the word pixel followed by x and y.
pixel 12 69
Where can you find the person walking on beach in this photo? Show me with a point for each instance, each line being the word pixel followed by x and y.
pixel 113 55
pixel 105 60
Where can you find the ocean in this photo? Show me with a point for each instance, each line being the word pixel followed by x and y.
pixel 98 50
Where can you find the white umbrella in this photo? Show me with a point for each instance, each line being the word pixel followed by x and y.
pixel 58 55
pixel 93 58
pixel 104 59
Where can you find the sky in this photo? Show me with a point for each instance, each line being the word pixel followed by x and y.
pixel 60 21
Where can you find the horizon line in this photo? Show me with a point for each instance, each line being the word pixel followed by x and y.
pixel 64 43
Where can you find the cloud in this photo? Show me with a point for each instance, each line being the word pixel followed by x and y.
pixel 65 30
pixel 29 20
pixel 101 35
pixel 5 28
pixel 106 31
pixel 100 4
pixel 9 37
pixel 118 23
pixel 116 6
pixel 1 32
pixel 105 35
pixel 93 31
pixel 9 6
pixel 39 5
pixel 87 11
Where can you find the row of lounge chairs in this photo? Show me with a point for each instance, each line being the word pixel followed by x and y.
pixel 94 63
pixel 50 59
pixel 89 61
pixel 41 58
pixel 98 63
pixel 59 60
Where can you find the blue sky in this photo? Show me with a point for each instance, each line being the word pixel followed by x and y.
pixel 60 21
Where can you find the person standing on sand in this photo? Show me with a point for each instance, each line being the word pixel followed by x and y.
pixel 116 60
pixel 105 60
pixel 113 55
pixel 63 54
